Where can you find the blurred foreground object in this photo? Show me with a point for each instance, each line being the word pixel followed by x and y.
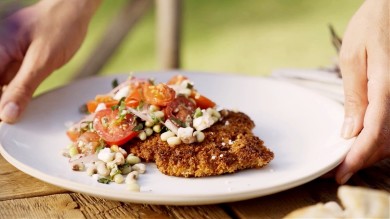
pixel 357 202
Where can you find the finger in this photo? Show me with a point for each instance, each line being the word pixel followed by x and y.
pixel 20 90
pixel 356 158
pixel 354 73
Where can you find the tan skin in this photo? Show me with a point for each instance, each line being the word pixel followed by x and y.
pixel 364 62
pixel 50 32
pixel 34 42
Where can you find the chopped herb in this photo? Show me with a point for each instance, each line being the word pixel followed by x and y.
pixel 87 126
pixel 121 103
pixel 178 122
pixel 84 109
pixel 101 146
pixel 155 118
pixel 198 113
pixel 151 81
pixel 164 129
pixel 104 180
pixel 122 166
pixel 140 105
pixel 138 127
pixel 114 83
pixel 190 86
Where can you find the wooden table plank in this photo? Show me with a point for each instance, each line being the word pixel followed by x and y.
pixel 53 206
pixel 16 184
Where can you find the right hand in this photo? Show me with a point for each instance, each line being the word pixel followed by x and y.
pixel 35 41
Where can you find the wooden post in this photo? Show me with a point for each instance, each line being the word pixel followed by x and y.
pixel 168 33
pixel 114 35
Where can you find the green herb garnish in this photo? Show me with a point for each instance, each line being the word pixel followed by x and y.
pixel 138 127
pixel 84 109
pixel 114 83
pixel 104 180
pixel 178 122
pixel 198 113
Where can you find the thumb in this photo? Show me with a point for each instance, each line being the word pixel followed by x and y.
pixel 20 90
pixel 354 73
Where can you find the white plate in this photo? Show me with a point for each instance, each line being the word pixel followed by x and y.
pixel 301 127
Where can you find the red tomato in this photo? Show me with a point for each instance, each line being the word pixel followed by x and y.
pixel 159 95
pixel 177 79
pixel 134 98
pixel 113 130
pixel 180 108
pixel 202 101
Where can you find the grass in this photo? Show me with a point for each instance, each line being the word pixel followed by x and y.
pixel 248 37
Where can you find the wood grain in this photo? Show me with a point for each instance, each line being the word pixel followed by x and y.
pixel 16 184
pixel 53 206
pixel 93 207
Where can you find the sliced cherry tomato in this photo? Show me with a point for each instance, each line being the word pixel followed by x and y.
pixel 180 108
pixel 202 101
pixel 159 95
pixel 73 134
pixel 90 141
pixel 177 79
pixel 134 98
pixel 108 100
pixel 112 129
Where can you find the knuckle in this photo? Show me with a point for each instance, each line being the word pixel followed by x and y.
pixel 354 101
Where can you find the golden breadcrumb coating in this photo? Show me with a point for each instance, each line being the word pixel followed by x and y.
pixel 229 146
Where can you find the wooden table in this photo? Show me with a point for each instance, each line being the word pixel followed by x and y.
pixel 24 196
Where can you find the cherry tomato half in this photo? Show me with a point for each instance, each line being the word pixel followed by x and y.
pixel 180 108
pixel 159 95
pixel 112 129
pixel 202 101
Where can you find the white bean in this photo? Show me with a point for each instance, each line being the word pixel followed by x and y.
pixel 118 178
pixel 119 158
pixel 199 136
pixel 173 141
pixel 91 170
pixel 131 177
pixel 149 124
pixel 139 167
pixel 157 128
pixel 132 159
pixel 134 187
pixel 78 167
pixel 164 136
pixel 148 131
pixel 159 114
pixel 102 170
pixel 142 135
pixel 153 108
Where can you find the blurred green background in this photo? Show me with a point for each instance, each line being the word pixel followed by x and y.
pixel 250 37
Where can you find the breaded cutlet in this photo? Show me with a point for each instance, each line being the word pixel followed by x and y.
pixel 229 146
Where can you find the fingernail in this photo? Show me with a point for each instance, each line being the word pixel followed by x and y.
pixel 347 130
pixel 10 112
pixel 345 178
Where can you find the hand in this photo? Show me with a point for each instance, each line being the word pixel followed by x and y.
pixel 35 41
pixel 364 62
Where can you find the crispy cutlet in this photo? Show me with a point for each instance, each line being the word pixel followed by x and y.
pixel 229 146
